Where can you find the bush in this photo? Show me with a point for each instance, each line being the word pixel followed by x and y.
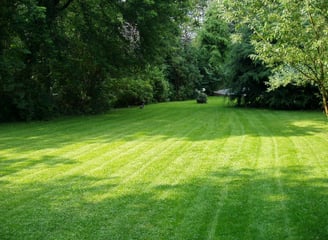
pixel 201 96
pixel 160 85
pixel 293 97
pixel 129 91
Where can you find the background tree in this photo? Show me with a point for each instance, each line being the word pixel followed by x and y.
pixel 212 41
pixel 183 72
pixel 244 76
pixel 182 63
pixel 24 57
pixel 247 79
pixel 62 57
pixel 290 36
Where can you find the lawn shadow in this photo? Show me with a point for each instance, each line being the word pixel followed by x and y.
pixel 12 166
pixel 194 122
pixel 277 203
pixel 180 120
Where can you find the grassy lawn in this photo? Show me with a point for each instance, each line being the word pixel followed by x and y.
pixel 169 171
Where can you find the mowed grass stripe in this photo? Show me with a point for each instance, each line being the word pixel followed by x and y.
pixel 89 164
pixel 94 162
pixel 104 177
pixel 237 174
pixel 169 171
pixel 184 165
pixel 199 190
pixel 284 158
pixel 316 160
pixel 182 160
pixel 232 215
pixel 75 148
pixel 58 133
pixel 272 217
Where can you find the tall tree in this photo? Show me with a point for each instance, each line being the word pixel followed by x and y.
pixel 247 78
pixel 182 64
pixel 183 72
pixel 213 41
pixel 290 36
pixel 156 23
pixel 244 76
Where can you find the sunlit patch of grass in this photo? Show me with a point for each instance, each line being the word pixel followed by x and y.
pixel 169 171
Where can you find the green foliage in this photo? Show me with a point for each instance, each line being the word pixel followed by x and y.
pixel 131 91
pixel 25 63
pixel 288 35
pixel 58 57
pixel 201 96
pixel 143 86
pixel 158 25
pixel 247 78
pixel 212 42
pixel 160 85
pixel 292 97
pixel 183 73
pixel 197 61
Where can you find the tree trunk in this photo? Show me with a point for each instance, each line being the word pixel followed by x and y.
pixel 324 95
pixel 324 101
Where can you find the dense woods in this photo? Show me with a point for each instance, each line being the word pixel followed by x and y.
pixel 72 56
pixel 60 57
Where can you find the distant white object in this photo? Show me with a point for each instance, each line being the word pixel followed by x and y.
pixel 223 92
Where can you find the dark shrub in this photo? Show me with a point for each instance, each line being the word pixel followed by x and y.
pixel 201 96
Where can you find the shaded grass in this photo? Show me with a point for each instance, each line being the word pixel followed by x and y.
pixel 169 171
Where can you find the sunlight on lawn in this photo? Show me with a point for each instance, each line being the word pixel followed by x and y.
pixel 155 174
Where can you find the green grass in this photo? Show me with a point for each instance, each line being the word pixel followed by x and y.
pixel 169 171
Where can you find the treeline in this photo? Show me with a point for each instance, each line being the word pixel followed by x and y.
pixel 62 57
pixel 244 76
pixel 223 56
pixel 79 57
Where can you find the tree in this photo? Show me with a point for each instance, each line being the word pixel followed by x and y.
pixel 183 72
pixel 60 56
pixel 24 61
pixel 244 76
pixel 290 36
pixel 213 41
pixel 247 79
pixel 156 25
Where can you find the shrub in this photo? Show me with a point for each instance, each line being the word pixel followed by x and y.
pixel 201 96
pixel 291 97
pixel 160 85
pixel 129 91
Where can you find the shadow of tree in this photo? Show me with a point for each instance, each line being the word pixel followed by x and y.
pixel 188 121
pixel 11 166
pixel 229 203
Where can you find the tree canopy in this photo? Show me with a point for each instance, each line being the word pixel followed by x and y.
pixel 65 56
pixel 290 36
pixel 213 41
pixel 82 57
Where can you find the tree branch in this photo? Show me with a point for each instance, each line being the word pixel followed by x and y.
pixel 65 5
pixel 305 74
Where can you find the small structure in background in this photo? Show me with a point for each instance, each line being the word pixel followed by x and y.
pixel 201 96
pixel 223 92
